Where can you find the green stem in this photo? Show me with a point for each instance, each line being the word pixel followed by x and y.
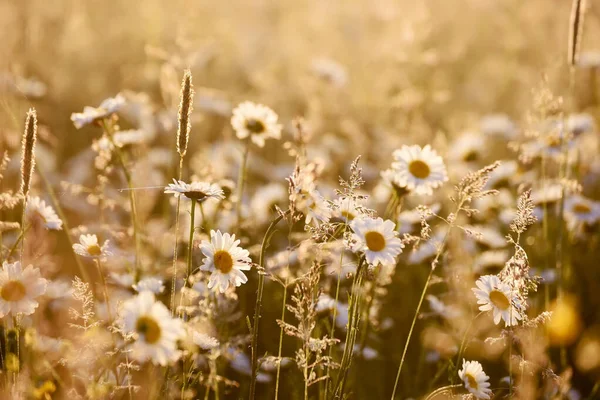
pixel 261 281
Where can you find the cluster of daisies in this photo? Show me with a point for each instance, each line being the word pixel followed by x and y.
pixel 338 230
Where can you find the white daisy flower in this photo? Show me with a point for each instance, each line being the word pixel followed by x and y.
pixel 88 246
pixel 496 296
pixel 37 210
pixel 579 209
pixel 438 307
pixel 255 121
pixel 155 331
pixel 130 136
pixel 225 260
pixel 91 114
pixel 475 380
pixel 580 123
pixel 316 208
pixel 199 191
pixel 469 147
pixel 420 170
pixel 347 209
pixel 204 341
pixel 378 239
pixel 265 198
pixel 498 125
pixel 150 284
pixel 19 289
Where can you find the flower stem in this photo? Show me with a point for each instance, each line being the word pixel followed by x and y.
pixel 105 290
pixel 191 240
pixel 261 282
pixel 240 185
pixel 412 327
pixel 175 247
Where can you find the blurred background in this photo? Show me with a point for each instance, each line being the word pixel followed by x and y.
pixel 366 76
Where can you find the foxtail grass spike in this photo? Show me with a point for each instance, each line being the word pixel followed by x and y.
pixel 28 151
pixel 185 111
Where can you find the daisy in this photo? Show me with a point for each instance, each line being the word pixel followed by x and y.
pixel 418 169
pixel 154 330
pixel 225 260
pixel 199 191
pixel 19 289
pixel 265 198
pixel 150 284
pixel 475 380
pixel 91 114
pixel 496 296
pixel 88 246
pixel 347 209
pixel 579 209
pixel 204 341
pixel 37 210
pixel 378 239
pixel 255 121
pixel 469 147
pixel 498 125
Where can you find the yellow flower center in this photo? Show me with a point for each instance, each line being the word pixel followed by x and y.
pixel 499 299
pixel 223 261
pixel 581 208
pixel 375 241
pixel 472 155
pixel 419 169
pixel 13 291
pixel 255 125
pixel 348 215
pixel 148 327
pixel 94 250
pixel 472 381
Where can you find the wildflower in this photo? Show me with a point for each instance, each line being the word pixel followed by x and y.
pixel 469 147
pixel 418 169
pixel 199 191
pixel 88 246
pixel 579 209
pixel 315 208
pixel 265 198
pixel 439 308
pixel 38 210
pixel 204 341
pixel 150 284
pixel 496 296
pixel 475 380
pixel 225 260
pixel 347 209
pixel 91 114
pixel 19 289
pixel 378 239
pixel 256 121
pixel 498 125
pixel 155 331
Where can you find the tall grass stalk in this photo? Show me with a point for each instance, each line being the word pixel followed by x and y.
pixel 259 294
pixel 240 184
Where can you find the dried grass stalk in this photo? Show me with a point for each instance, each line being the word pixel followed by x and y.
pixel 578 9
pixel 28 152
pixel 185 111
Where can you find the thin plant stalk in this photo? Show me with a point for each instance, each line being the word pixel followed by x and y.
pixel 418 310
pixel 261 282
pixel 82 271
pixel 176 245
pixel 134 217
pixel 105 289
pixel 191 238
pixel 240 184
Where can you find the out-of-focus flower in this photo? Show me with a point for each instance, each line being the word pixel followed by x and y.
pixel 37 210
pixel 19 289
pixel 150 284
pixel 255 121
pixel 91 114
pixel 88 246
pixel 565 325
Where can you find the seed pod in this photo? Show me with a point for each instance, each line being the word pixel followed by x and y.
pixel 185 111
